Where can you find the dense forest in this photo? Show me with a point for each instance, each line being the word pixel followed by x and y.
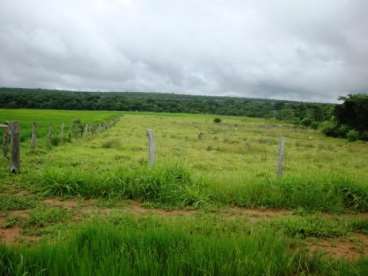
pixel 307 114
pixel 350 118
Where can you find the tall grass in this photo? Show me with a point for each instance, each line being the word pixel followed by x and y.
pixel 107 249
pixel 170 185
pixel 311 192
pixel 175 185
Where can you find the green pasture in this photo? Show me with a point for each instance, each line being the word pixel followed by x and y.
pixel 45 118
pixel 203 169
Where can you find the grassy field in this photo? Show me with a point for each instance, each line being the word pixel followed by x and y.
pixel 212 204
pixel 45 118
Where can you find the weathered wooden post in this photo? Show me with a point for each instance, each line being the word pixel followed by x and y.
pixel 5 145
pixel 49 137
pixel 85 131
pixel 34 137
pixel 151 148
pixel 62 132
pixel 281 157
pixel 15 147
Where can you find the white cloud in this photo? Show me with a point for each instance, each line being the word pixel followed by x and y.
pixel 304 50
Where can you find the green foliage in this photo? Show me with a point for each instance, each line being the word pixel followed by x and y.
pixel 217 120
pixel 77 127
pixel 45 118
pixel 316 193
pixel 106 249
pixel 55 140
pixel 171 185
pixel 313 226
pixel 15 202
pixel 160 102
pixel 43 216
pixel 174 186
pixel 352 135
pixel 351 118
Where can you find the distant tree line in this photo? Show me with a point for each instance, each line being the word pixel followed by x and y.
pixel 306 114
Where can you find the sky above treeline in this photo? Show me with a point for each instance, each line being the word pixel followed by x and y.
pixel 309 50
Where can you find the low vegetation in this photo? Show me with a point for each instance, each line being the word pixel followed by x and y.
pixel 125 246
pixel 212 204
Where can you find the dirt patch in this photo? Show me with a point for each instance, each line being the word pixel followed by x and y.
pixel 10 235
pixel 256 214
pixel 65 203
pixel 137 208
pixel 13 234
pixel 351 248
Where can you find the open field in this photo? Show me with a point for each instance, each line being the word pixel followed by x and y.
pixel 211 205
pixel 45 118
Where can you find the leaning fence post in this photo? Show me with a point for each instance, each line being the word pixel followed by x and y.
pixel 15 147
pixel 49 136
pixel 281 157
pixel 151 148
pixel 34 137
pixel 5 145
pixel 62 132
pixel 85 131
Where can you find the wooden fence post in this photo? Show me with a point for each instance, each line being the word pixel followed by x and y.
pixel 34 137
pixel 15 147
pixel 6 141
pixel 62 132
pixel 151 148
pixel 49 136
pixel 85 131
pixel 281 157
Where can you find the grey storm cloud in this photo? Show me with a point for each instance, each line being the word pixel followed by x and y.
pixel 288 49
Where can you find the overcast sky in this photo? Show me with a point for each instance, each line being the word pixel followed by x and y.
pixel 313 50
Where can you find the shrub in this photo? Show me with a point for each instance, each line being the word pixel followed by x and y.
pixel 217 120
pixel 342 130
pixel 329 128
pixel 314 125
pixel 306 122
pixel 352 135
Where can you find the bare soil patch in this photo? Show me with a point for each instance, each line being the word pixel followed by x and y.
pixel 350 248
pixel 10 235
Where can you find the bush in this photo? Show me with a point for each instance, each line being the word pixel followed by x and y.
pixel 217 120
pixel 307 122
pixel 314 125
pixel 352 135
pixel 329 128
pixel 364 135
pixel 342 131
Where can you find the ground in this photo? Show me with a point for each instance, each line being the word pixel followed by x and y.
pixel 210 179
